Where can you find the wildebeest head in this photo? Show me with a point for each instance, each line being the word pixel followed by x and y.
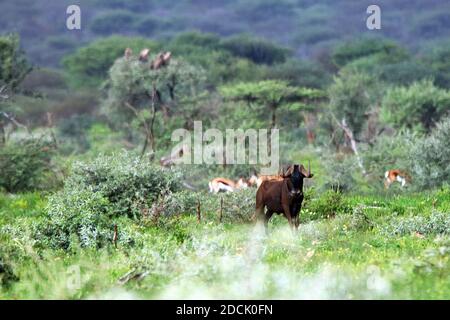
pixel 296 173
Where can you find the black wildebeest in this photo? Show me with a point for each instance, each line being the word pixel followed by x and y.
pixel 283 197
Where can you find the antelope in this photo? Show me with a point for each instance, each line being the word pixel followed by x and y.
pixel 223 184
pixel 396 175
pixel 258 180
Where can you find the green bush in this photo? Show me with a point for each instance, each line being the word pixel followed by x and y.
pixel 175 203
pixel 75 216
pixel 388 152
pixel 436 223
pixel 237 206
pixel 342 172
pixel 129 183
pixel 327 205
pixel 430 158
pixel 7 274
pixel 97 195
pixel 26 165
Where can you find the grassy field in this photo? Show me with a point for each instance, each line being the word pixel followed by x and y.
pixel 379 247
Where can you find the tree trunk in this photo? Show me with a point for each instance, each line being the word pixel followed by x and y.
pixel 309 123
pixel 349 134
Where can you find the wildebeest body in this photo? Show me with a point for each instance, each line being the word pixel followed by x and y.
pixel 282 197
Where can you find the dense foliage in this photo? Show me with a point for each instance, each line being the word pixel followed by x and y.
pixel 26 165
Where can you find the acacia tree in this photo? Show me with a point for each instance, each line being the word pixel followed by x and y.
pixel 140 87
pixel 271 96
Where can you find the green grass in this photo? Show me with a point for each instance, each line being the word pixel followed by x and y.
pixel 330 258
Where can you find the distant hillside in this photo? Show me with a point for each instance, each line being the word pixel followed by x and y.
pixel 306 26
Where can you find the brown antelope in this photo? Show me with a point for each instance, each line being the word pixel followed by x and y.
pixel 396 175
pixel 223 184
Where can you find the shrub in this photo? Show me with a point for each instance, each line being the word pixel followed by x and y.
pixel 430 158
pixel 342 172
pixel 96 196
pixel 7 274
pixel 75 216
pixel 26 165
pixel 237 206
pixel 388 152
pixel 436 223
pixel 128 183
pixel 174 203
pixel 327 205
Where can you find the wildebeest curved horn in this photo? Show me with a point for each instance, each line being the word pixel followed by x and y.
pixel 306 174
pixel 288 172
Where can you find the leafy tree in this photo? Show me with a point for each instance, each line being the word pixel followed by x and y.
pixel 418 105
pixel 299 73
pixel 221 65
pixel 13 69
pixel 439 60
pixel 403 73
pixel 89 66
pixel 137 90
pixel 270 95
pixel 430 157
pixel 13 63
pixel 381 50
pixel 351 95
pixel 257 50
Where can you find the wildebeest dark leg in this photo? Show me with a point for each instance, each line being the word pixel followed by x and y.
pixel 269 214
pixel 296 215
pixel 287 213
pixel 297 222
pixel 259 214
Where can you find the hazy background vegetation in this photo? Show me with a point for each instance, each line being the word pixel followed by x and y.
pixel 83 129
